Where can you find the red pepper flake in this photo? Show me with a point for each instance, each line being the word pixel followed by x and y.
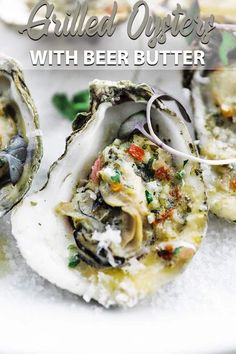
pixel 136 152
pixel 164 216
pixel 233 185
pixel 176 193
pixel 162 173
pixel 95 170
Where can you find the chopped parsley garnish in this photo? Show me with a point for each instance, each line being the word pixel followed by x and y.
pixel 149 197
pixel 74 261
pixel 176 251
pixel 116 177
pixel 180 175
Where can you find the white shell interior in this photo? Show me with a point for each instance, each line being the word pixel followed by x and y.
pixel 42 238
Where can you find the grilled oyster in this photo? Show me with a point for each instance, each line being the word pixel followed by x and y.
pixel 224 12
pixel 117 231
pixel 214 97
pixel 20 143
pixel 23 8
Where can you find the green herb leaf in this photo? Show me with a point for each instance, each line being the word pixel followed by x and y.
pixel 81 97
pixel 149 197
pixel 227 45
pixel 72 247
pixel 116 177
pixel 180 175
pixel 176 251
pixel 74 261
pixel 80 102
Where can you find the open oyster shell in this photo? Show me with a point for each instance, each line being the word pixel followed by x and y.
pixel 214 97
pixel 59 221
pixel 20 142
pixel 23 8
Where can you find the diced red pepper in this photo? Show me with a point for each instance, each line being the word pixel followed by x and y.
pixel 233 185
pixel 163 173
pixel 136 152
pixel 169 248
pixel 95 170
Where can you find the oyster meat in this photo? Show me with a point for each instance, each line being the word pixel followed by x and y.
pixel 119 216
pixel 20 142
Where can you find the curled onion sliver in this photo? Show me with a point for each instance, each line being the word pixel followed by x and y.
pixel 173 151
